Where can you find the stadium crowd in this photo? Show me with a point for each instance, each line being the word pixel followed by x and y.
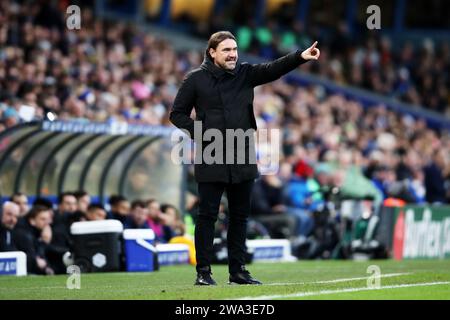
pixel 114 72
pixel 408 71
pixel 416 74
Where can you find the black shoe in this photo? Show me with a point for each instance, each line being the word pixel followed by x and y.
pixel 243 277
pixel 204 278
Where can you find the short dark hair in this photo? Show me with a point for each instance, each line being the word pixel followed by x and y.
pixel 43 202
pixel 35 211
pixel 166 206
pixel 80 194
pixel 16 194
pixel 217 38
pixel 138 204
pixel 94 206
pixel 116 198
pixel 64 194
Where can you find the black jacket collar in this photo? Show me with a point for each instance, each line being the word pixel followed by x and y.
pixel 217 72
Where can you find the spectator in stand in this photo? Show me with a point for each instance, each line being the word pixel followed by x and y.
pixel 32 237
pixel 138 216
pixel 67 205
pixel 83 200
pixel 22 200
pixel 435 179
pixel 61 241
pixel 171 217
pixel 155 221
pixel 382 179
pixel 43 202
pixel 120 208
pixel 94 212
pixel 302 197
pixel 175 229
pixel 9 216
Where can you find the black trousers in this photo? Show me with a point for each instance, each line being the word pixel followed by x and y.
pixel 239 205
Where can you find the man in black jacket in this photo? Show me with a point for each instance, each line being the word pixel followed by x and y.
pixel 29 238
pixel 221 91
pixel 9 215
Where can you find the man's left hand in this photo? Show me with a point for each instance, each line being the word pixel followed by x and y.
pixel 312 53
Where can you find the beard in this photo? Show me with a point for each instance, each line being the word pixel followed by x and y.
pixel 229 64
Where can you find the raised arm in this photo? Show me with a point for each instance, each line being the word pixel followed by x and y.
pixel 266 72
pixel 180 115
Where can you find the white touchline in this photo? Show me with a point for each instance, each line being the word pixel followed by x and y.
pixel 323 292
pixel 387 275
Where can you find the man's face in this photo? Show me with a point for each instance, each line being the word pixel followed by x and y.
pixel 69 204
pixel 154 210
pixel 122 208
pixel 225 55
pixel 42 220
pixel 83 203
pixel 139 215
pixel 22 201
pixel 10 215
pixel 96 214
pixel 170 216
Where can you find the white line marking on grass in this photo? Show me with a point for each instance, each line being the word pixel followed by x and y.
pixel 387 275
pixel 323 292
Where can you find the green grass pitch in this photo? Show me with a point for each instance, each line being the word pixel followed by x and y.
pixel 424 279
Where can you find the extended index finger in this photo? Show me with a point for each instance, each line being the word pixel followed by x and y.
pixel 314 45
